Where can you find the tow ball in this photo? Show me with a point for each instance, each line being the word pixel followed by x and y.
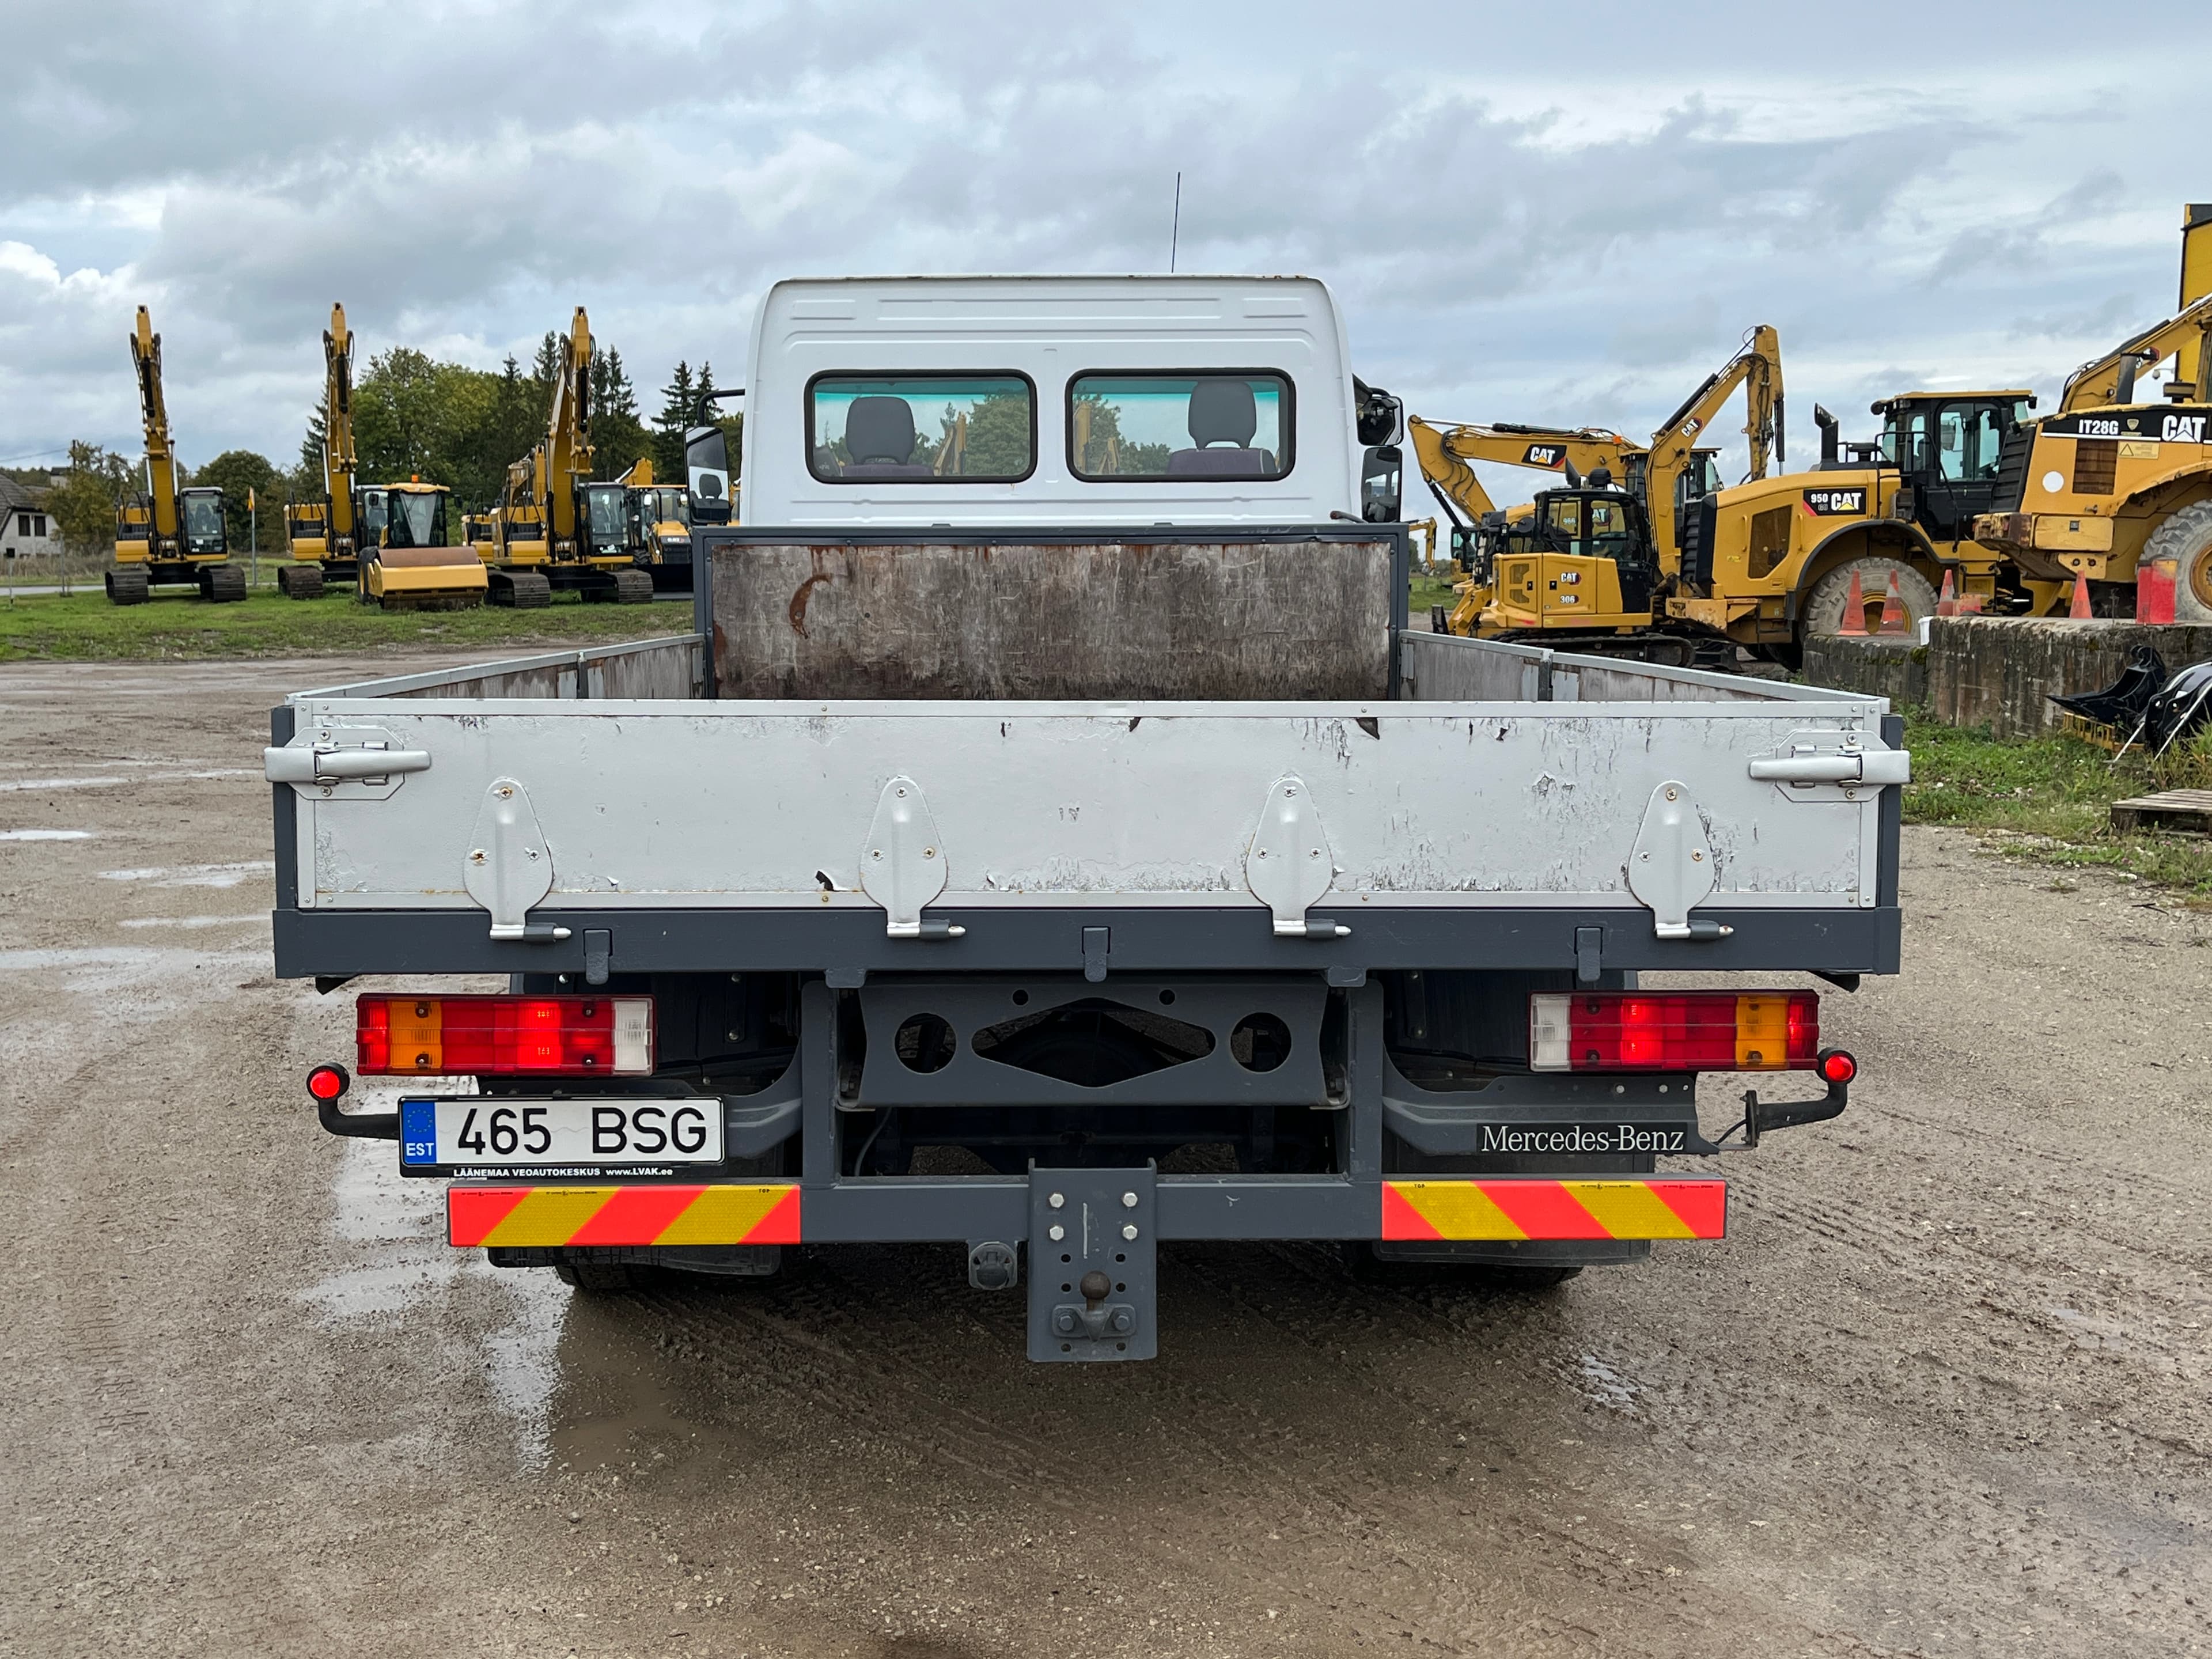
pixel 1836 1067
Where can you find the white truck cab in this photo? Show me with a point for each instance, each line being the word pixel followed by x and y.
pixel 954 401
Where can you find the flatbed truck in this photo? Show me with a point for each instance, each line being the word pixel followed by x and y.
pixel 1052 839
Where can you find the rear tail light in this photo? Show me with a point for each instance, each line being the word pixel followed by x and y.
pixel 552 1036
pixel 1674 1031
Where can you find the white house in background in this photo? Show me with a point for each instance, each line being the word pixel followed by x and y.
pixel 26 529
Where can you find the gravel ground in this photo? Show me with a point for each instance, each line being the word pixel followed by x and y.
pixel 1942 1391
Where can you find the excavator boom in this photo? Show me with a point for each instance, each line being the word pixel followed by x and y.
pixel 338 434
pixel 1446 452
pixel 160 458
pixel 1757 369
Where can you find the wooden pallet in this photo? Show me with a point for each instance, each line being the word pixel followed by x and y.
pixel 2186 810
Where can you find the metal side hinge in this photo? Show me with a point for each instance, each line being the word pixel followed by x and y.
pixel 902 863
pixel 509 867
pixel 1287 863
pixel 1832 766
pixel 358 760
pixel 1670 867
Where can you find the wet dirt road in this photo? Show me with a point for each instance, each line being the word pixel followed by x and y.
pixel 1942 1391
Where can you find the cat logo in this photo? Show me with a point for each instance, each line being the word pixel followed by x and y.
pixel 1552 455
pixel 1836 503
pixel 2182 430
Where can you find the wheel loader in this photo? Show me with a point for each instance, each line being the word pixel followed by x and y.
pixel 2113 482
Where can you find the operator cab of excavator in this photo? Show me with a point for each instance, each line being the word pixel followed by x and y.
pixel 1592 519
pixel 200 520
pixel 606 521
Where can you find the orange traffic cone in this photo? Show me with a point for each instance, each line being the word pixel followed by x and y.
pixel 1854 607
pixel 2080 611
pixel 1893 618
pixel 1947 601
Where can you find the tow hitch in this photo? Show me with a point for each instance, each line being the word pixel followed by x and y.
pixel 1761 1117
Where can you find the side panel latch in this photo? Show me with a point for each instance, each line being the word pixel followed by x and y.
pixel 351 763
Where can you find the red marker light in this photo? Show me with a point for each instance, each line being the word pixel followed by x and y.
pixel 1837 1066
pixel 328 1082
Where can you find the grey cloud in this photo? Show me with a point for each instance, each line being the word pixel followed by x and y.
pixel 663 165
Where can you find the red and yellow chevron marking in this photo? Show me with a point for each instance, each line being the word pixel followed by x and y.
pixel 653 1214
pixel 1659 1207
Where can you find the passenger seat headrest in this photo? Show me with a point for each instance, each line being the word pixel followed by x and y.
pixel 879 429
pixel 1222 412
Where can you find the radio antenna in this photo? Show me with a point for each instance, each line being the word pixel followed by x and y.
pixel 1174 233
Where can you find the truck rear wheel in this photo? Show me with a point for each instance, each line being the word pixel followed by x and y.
pixel 2186 539
pixel 1824 607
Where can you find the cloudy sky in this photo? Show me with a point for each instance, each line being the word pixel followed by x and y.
pixel 1529 213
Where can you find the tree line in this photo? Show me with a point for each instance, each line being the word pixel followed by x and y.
pixel 414 416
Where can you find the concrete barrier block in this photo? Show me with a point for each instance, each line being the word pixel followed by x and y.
pixel 1885 665
pixel 2001 671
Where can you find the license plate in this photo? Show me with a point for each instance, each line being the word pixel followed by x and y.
pixel 498 1131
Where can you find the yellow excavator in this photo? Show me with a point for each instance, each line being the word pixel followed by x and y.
pixel 324 538
pixel 1594 562
pixel 169 536
pixel 2111 482
pixel 554 527
pixel 352 535
pixel 660 528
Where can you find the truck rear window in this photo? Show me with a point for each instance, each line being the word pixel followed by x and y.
pixel 1233 424
pixel 921 429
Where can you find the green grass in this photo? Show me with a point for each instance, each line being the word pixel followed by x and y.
pixel 86 628
pixel 2049 800
pixel 1430 590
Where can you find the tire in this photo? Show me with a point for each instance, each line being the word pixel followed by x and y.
pixel 2186 539
pixel 127 586
pixel 1824 605
pixel 600 1277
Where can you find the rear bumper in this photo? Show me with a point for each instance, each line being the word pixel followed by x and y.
pixel 1513 1209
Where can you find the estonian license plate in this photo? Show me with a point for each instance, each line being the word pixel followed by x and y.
pixel 499 1129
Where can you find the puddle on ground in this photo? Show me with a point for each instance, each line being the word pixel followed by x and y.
pixel 194 875
pixel 45 835
pixel 256 920
pixel 16 786
pixel 406 1274
pixel 161 979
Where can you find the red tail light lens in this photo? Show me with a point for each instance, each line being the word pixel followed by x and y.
pixel 550 1036
pixel 327 1082
pixel 1837 1066
pixel 1674 1031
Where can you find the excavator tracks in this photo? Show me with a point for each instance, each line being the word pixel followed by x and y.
pixel 524 590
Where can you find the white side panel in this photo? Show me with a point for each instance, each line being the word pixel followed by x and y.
pixel 737 804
